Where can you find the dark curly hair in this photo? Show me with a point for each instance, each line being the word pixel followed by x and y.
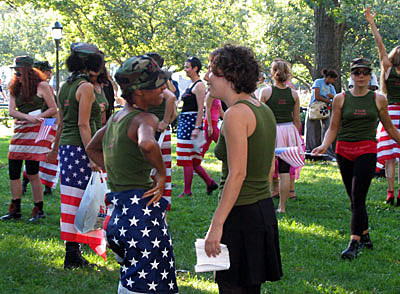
pixel 238 65
pixel 92 62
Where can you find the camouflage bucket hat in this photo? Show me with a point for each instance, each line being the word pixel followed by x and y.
pixel 84 49
pixel 42 65
pixel 22 61
pixel 141 72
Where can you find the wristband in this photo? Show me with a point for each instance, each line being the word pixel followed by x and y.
pixel 196 127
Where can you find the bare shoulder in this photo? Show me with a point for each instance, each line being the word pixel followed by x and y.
pixel 295 93
pixel 381 101
pixel 199 87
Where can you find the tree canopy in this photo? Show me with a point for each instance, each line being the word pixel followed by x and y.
pixel 311 34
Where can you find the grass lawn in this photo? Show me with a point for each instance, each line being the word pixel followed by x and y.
pixel 313 232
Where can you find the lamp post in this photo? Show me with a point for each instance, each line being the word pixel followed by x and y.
pixel 56 33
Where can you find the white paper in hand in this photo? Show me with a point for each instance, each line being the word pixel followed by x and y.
pixel 208 264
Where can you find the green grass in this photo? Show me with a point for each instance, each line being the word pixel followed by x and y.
pixel 313 232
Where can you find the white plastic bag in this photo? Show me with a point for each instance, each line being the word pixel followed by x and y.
pixel 92 201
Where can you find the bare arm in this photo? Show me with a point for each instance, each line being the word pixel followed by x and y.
pixel 85 96
pixel 147 125
pixel 334 126
pixel 296 109
pixel 265 94
pixel 236 125
pixel 382 105
pixel 200 92
pixel 46 93
pixel 383 56
pixel 209 102
pixel 52 155
pixel 13 112
pixel 318 96
pixel 169 110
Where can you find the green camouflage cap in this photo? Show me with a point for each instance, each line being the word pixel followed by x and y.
pixel 360 63
pixel 84 49
pixel 22 61
pixel 42 65
pixel 141 72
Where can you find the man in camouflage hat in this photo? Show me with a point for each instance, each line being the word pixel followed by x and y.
pixel 127 149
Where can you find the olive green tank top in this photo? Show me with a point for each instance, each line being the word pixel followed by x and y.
pixel 359 118
pixel 100 98
pixel 70 111
pixel 281 103
pixel 260 152
pixel 393 86
pixel 125 164
pixel 26 107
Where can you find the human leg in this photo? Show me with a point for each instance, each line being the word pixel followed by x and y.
pixel 32 170
pixel 324 128
pixel 357 177
pixel 211 184
pixel 390 173
pixel 284 184
pixel 187 180
pixel 14 170
pixel 312 133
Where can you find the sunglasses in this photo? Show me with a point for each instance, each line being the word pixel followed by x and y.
pixel 361 72
pixel 18 74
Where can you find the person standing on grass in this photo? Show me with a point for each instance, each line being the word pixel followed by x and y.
pixel 126 147
pixel 166 114
pixel 29 93
pixel 388 149
pixel 189 126
pixel 79 113
pixel 354 118
pixel 48 171
pixel 245 217
pixel 285 104
pixel 322 90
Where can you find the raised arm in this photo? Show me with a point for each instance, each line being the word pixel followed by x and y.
pixel 383 56
pixel 382 105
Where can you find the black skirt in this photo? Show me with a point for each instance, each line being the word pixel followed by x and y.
pixel 251 234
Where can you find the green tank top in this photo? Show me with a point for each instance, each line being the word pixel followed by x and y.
pixel 158 110
pixel 260 148
pixel 393 86
pixel 26 107
pixel 125 164
pixel 281 103
pixel 359 118
pixel 70 111
pixel 100 98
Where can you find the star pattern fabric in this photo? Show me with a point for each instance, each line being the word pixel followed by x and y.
pixel 139 236
pixel 185 151
pixel 75 174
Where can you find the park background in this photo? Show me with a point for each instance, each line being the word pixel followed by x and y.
pixel 311 35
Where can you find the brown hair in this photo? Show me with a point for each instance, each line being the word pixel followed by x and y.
pixel 281 70
pixel 26 85
pixel 394 58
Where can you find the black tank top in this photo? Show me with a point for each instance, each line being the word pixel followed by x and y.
pixel 189 99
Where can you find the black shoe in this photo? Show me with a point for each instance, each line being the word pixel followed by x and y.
pixel 12 213
pixel 47 190
pixel 351 251
pixel 25 182
pixel 73 256
pixel 398 202
pixel 211 188
pixel 36 215
pixel 366 242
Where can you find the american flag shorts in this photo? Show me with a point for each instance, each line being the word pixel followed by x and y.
pixel 139 237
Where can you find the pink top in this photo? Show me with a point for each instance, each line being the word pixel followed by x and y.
pixel 216 105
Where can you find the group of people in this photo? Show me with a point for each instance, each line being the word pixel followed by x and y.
pixel 134 141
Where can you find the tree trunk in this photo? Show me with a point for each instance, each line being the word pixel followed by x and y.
pixel 328 42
